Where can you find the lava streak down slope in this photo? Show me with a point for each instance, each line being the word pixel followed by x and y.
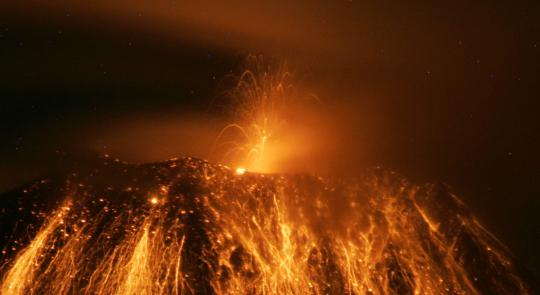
pixel 186 226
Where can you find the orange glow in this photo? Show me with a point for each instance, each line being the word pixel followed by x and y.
pixel 22 274
pixel 266 235
pixel 240 170
pixel 260 234
pixel 261 101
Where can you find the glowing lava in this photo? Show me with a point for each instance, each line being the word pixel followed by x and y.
pixel 260 101
pixel 256 234
pixel 240 170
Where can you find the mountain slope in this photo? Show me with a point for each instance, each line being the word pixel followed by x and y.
pixel 186 226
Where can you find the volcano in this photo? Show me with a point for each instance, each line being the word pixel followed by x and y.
pixel 187 226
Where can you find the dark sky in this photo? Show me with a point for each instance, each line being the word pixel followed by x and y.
pixel 437 92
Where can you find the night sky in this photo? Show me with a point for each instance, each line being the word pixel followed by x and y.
pixel 436 92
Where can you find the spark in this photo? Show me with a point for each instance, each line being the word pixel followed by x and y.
pixel 259 102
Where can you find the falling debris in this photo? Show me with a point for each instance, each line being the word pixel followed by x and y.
pixel 257 234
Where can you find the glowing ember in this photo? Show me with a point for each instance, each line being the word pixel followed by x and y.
pixel 262 234
pixel 259 102
pixel 240 170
